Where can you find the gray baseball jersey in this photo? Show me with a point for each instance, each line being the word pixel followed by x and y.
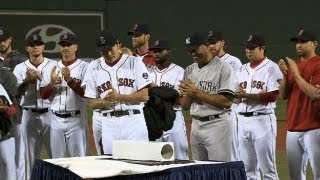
pixel 216 77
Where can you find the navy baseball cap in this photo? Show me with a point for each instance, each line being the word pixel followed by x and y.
pixel 160 44
pixel 34 38
pixel 304 35
pixel 196 39
pixel 68 38
pixel 139 29
pixel 214 36
pixel 254 40
pixel 106 40
pixel 4 34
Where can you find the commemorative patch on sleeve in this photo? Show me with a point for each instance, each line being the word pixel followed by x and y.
pixel 145 75
pixel 279 81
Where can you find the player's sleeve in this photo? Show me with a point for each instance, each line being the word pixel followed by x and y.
pixel 187 73
pixel 18 72
pixel 227 80
pixel 315 77
pixel 142 76
pixel 91 85
pixel 275 78
pixel 89 72
pixel 180 74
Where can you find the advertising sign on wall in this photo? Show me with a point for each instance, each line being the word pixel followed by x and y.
pixel 50 25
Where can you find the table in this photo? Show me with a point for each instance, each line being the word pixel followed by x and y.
pixel 92 167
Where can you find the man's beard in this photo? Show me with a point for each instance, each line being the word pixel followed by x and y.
pixel 3 51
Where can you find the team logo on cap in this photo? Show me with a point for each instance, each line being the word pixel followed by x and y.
pixel 250 38
pixel 300 32
pixel 35 37
pixel 145 75
pixel 135 27
pixel 1 32
pixel 102 40
pixel 187 40
pixel 210 34
pixel 65 36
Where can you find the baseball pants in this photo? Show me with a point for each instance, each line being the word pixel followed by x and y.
pixel 68 133
pixel 128 127
pixel 18 131
pixel 7 159
pixel 302 146
pixel 257 143
pixel 97 131
pixel 37 129
pixel 212 140
pixel 177 134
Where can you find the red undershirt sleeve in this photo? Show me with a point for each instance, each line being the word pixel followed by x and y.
pixel 269 96
pixel 76 87
pixel 45 92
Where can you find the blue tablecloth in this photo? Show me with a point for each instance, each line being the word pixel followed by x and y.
pixel 43 170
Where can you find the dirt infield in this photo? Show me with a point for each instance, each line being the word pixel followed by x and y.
pixel 281 137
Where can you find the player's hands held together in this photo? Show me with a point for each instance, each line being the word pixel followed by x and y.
pixel 33 75
pixel 66 74
pixel 54 76
pixel 188 88
pixel 291 64
pixel 241 94
pixel 112 96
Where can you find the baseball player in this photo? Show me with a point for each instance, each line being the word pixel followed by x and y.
pixel 208 90
pixel 140 43
pixel 117 87
pixel 300 87
pixel 96 121
pixel 217 44
pixel 258 88
pixel 9 58
pixel 7 144
pixel 35 120
pixel 168 74
pixel 62 85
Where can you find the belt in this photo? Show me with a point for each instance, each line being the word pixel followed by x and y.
pixel 121 113
pixel 39 111
pixel 207 118
pixel 66 114
pixel 250 114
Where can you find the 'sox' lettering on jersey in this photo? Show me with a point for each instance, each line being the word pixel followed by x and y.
pixel 126 82
pixel 208 86
pixel 254 84
pixel 166 85
pixel 257 84
pixel 104 87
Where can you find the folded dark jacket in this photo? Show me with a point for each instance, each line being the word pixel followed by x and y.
pixel 159 112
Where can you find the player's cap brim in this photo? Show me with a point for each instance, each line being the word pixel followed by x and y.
pixel 105 47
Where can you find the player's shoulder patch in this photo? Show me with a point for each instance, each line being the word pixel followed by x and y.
pixel 279 80
pixel 145 75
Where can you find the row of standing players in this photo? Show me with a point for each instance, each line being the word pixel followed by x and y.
pixel 116 86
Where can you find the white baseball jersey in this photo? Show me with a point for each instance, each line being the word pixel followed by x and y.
pixel 215 77
pixel 169 77
pixel 65 99
pixel 32 97
pixel 266 77
pixel 232 60
pixel 127 76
